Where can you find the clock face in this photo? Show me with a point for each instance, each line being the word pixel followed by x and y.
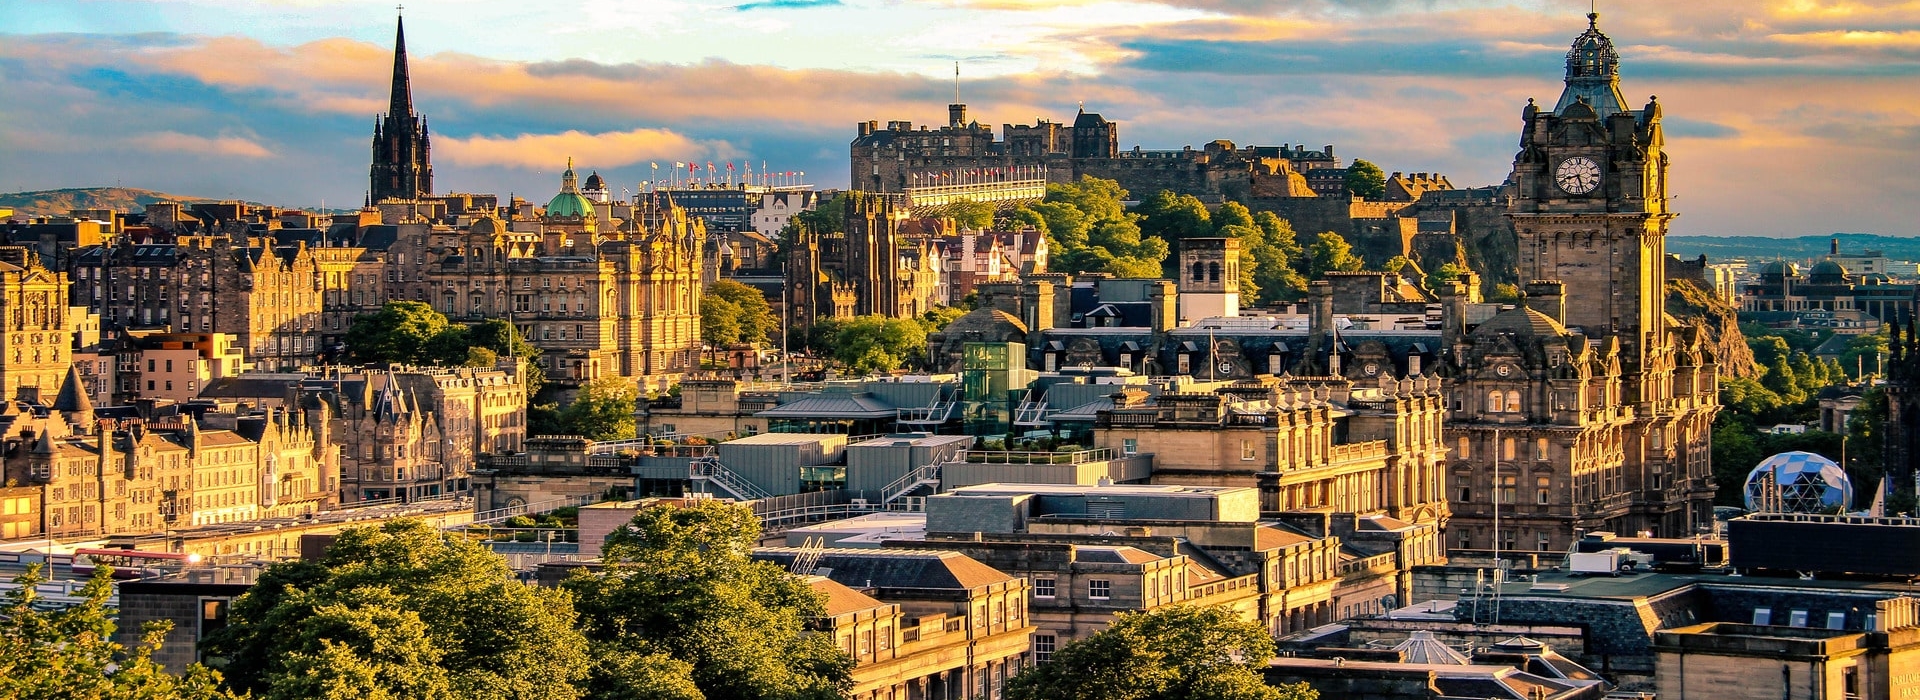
pixel 1371 369
pixel 1503 370
pixel 1226 367
pixel 1578 175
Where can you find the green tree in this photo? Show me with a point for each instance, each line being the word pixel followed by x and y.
pixel 971 214
pixel 1024 215
pixel 1447 272
pixel 829 216
pixel 1504 293
pixel 500 336
pixel 1331 253
pixel 70 652
pixel 679 582
pixel 1066 225
pixel 481 357
pixel 1178 652
pixel 1736 449
pixel 719 321
pixel 1232 214
pixel 754 315
pixel 1863 354
pixel 937 318
pixel 1366 180
pixel 401 331
pixel 872 343
pixel 1397 264
pixel 1277 257
pixel 1097 198
pixel 1173 218
pixel 602 410
pixel 401 610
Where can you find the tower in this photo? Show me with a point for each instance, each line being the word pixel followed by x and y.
pixel 402 157
pixel 1590 206
pixel 1209 278
pixel 873 255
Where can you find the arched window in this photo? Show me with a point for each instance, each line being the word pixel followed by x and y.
pixel 1199 272
pixel 1513 402
pixel 1496 402
pixel 1213 272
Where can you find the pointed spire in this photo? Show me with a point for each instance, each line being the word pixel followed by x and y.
pixel 73 401
pixel 402 99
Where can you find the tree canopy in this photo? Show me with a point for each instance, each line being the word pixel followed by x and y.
pixel 1180 652
pixel 971 214
pixel 741 314
pixel 872 343
pixel 412 333
pixel 400 610
pixel 70 652
pixel 1089 230
pixel 1331 253
pixel 602 410
pixel 1366 180
pixel 681 610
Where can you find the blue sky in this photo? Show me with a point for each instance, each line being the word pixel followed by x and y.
pixel 1786 117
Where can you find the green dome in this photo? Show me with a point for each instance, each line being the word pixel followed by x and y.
pixel 570 203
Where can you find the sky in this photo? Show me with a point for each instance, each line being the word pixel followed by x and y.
pixel 1784 117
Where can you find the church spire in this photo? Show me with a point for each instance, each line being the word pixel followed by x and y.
pixel 401 103
pixel 402 152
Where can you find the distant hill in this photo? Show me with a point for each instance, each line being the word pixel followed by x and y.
pixel 59 202
pixel 1718 248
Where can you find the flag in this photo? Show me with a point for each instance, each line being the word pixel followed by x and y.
pixel 656 166
pixel 678 164
pixel 709 166
pixel 729 166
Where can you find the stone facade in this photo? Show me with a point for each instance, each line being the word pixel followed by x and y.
pixel 36 345
pixel 1601 405
pixel 869 269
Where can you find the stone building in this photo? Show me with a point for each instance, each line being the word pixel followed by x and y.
pixel 1589 407
pixel 599 298
pixel 36 345
pixel 404 432
pixel 866 270
pixel 266 296
pixel 930 625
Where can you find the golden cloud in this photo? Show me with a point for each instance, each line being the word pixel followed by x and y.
pixel 174 141
pixel 603 150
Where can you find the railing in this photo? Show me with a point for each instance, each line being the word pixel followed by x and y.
pixel 939 412
pixel 923 476
pixel 711 470
pixel 601 448
pixel 1100 454
pixel 783 520
pixel 502 514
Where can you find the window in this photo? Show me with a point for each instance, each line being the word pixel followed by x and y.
pixel 1465 484
pixel 1099 589
pixel 1465 453
pixel 1508 488
pixel 1513 402
pixel 1508 447
pixel 1246 450
pixel 1185 364
pixel 1496 402
pixel 1540 490
pixel 1849 677
pixel 1130 446
pixel 1043 645
pixel 1540 449
pixel 1043 587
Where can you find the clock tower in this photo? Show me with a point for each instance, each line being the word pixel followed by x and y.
pixel 1587 407
pixel 1589 202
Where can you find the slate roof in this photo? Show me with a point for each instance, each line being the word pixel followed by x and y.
pixel 913 569
pixel 841 599
pixel 832 406
pixel 1521 321
pixel 1114 555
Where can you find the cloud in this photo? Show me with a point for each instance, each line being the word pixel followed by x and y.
pixel 608 149
pixel 785 5
pixel 176 142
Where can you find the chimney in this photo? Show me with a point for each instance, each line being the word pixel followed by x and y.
pixel 1548 297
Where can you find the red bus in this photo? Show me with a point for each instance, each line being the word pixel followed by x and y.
pixel 130 563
